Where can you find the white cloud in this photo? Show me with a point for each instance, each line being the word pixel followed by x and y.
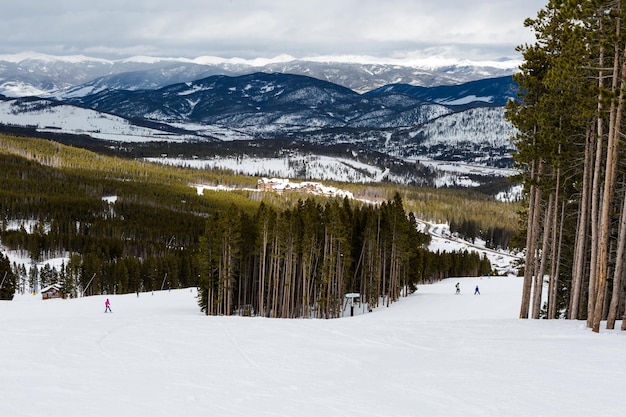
pixel 255 28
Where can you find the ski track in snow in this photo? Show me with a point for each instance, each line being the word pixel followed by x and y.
pixel 433 353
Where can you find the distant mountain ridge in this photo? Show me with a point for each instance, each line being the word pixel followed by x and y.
pixel 36 74
pixel 395 125
pixel 490 91
pixel 399 120
pixel 269 104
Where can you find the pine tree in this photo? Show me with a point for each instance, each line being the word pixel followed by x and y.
pixel 8 280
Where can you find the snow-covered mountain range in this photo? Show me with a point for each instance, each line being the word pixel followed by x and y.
pixel 267 105
pixel 401 122
pixel 29 73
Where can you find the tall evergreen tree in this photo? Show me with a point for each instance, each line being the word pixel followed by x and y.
pixel 8 280
pixel 569 115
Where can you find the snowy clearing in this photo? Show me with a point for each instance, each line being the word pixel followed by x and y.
pixel 295 166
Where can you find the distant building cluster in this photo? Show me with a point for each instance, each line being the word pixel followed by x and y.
pixel 281 185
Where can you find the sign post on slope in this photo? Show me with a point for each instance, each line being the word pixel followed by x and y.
pixel 352 299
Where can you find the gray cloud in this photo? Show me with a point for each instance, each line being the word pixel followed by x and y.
pixel 255 28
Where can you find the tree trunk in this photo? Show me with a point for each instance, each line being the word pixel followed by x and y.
pixel 595 196
pixel 621 241
pixel 595 202
pixel 615 118
pixel 538 290
pixel 619 270
pixel 580 244
pixel 556 253
pixel 533 219
pixel 263 267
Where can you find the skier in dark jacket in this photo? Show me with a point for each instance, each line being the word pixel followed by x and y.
pixel 477 291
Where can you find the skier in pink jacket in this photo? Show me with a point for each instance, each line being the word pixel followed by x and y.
pixel 107 306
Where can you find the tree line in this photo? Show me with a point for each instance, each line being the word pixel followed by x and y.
pixel 301 262
pixel 569 115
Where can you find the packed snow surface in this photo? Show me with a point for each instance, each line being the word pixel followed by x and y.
pixel 433 353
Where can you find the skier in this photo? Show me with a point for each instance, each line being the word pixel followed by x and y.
pixel 458 288
pixel 476 291
pixel 107 306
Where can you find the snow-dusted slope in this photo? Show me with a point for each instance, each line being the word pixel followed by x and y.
pixel 485 126
pixel 480 135
pixel 47 116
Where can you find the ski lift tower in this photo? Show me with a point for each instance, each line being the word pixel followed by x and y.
pixel 351 299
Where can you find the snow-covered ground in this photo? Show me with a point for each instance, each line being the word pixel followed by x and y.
pixel 329 168
pixel 431 354
pixel 293 166
pixel 504 262
pixel 76 120
pixel 463 168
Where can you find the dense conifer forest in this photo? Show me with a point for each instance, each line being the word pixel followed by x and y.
pixel 127 225
pixel 300 262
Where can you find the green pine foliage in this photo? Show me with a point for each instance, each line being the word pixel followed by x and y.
pixel 8 280
pixel 145 240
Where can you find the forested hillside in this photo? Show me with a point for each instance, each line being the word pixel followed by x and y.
pixel 127 226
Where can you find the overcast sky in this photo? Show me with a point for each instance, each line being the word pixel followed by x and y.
pixel 476 29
